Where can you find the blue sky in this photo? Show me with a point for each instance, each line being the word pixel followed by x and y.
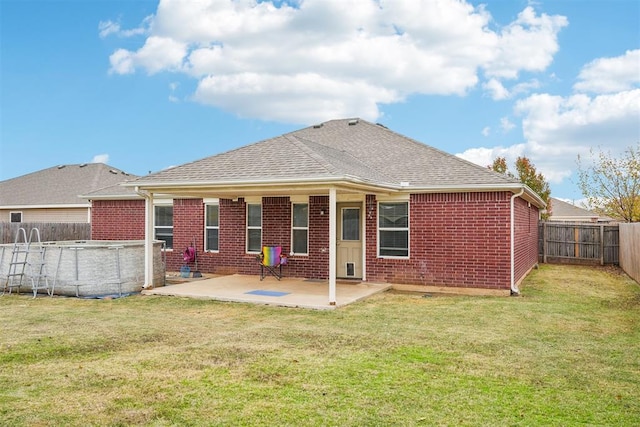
pixel 144 85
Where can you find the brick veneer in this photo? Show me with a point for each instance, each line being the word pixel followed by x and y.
pixel 456 239
pixel 117 220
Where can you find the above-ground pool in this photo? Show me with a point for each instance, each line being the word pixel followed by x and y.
pixel 88 268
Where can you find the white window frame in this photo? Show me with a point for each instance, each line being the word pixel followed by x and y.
pixel 253 227
pixel 168 203
pixel 208 227
pixel 11 213
pixel 407 229
pixel 295 228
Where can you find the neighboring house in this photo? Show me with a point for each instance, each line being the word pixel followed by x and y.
pixel 52 195
pixel 346 199
pixel 566 212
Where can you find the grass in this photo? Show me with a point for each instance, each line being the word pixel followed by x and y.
pixel 567 352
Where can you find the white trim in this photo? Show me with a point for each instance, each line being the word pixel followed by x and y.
pixel 332 246
pixel 211 201
pixel 162 202
pixel 293 228
pixel 25 207
pixel 344 198
pixel 253 200
pixel 408 229
pixel 299 199
pixel 208 227
pixel 253 227
pixel 403 197
pixel 16 212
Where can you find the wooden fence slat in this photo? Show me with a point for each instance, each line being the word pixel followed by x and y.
pixel 630 249
pixel 49 231
pixel 579 242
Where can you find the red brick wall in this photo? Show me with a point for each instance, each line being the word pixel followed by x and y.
pixel 117 220
pixel 526 237
pixel 188 218
pixel 457 239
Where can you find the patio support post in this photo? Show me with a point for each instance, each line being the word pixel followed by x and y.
pixel 332 246
pixel 148 241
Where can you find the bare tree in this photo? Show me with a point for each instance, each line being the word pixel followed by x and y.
pixel 611 185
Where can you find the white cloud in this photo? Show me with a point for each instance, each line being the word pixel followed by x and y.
pixel 496 90
pixel 485 156
pixel 527 44
pixel 506 125
pixel 100 158
pixel 107 28
pixel 486 131
pixel 328 57
pixel 609 75
pixel 157 54
pixel 556 129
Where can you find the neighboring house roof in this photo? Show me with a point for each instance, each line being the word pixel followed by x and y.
pixel 349 151
pixel 59 185
pixel 563 211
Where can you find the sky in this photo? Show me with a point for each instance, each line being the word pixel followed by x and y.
pixel 145 85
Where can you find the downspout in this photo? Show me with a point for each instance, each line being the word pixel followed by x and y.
pixel 514 288
pixel 148 239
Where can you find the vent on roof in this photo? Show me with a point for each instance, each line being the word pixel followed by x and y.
pixel 318 126
pixel 113 171
pixel 353 122
pixel 61 166
pixel 381 125
pixel 83 165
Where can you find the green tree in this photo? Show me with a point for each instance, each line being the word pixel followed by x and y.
pixel 611 184
pixel 527 174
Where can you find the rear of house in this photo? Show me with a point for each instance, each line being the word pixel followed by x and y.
pixel 346 199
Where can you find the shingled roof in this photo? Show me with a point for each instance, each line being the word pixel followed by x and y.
pixel 334 150
pixel 59 185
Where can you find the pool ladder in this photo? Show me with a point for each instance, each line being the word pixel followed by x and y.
pixel 28 261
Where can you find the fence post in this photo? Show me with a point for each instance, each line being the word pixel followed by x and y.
pixel 544 242
pixel 601 244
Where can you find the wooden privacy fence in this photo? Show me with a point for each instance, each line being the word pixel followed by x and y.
pixel 630 249
pixel 578 243
pixel 49 231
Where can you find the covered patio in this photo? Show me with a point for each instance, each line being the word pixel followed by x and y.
pixel 287 292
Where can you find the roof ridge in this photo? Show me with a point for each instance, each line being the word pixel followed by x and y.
pixel 300 143
pixel 339 153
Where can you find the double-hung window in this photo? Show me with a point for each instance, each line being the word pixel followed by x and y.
pixel 212 228
pixel 254 228
pixel 163 224
pixel 393 229
pixel 300 229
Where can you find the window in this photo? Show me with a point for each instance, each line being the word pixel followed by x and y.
pixel 163 224
pixel 393 229
pixel 300 229
pixel 15 216
pixel 254 228
pixel 351 224
pixel 212 227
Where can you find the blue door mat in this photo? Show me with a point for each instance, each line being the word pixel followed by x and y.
pixel 267 293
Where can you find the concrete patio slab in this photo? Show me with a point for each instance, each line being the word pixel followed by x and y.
pixel 288 292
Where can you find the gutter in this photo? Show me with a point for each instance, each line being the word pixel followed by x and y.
pixel 514 287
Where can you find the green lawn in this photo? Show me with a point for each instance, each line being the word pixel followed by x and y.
pixel 566 352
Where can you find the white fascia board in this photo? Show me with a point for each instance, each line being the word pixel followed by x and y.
pixel 68 206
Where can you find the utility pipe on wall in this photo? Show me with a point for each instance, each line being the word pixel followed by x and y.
pixel 514 288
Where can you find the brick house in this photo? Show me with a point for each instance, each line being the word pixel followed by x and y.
pixel 52 194
pixel 345 199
